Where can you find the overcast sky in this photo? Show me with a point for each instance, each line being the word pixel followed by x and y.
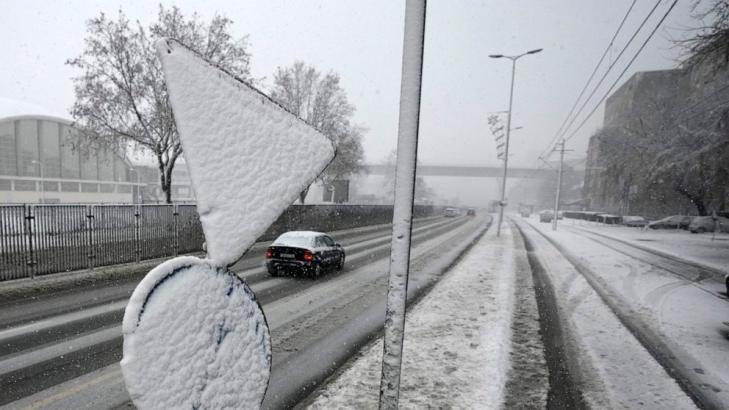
pixel 362 42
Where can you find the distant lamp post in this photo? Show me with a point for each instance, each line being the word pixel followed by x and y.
pixel 139 186
pixel 42 183
pixel 502 203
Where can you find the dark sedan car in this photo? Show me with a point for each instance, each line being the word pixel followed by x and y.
pixel 306 252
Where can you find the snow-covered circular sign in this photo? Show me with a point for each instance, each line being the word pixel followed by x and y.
pixel 195 337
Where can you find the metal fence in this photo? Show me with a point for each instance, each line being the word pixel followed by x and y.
pixel 44 239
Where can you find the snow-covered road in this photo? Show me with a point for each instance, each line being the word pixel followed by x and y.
pixel 615 327
pixel 666 319
pixel 302 313
pixel 457 345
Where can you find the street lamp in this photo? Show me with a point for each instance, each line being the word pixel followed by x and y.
pixel 139 185
pixel 42 183
pixel 513 59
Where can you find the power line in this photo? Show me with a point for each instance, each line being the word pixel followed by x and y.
pixel 592 75
pixel 604 76
pixel 607 93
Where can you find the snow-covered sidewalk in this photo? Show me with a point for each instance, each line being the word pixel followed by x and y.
pixel 457 340
pixel 707 249
pixel 675 311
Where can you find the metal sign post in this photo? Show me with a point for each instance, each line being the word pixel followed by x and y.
pixel 407 149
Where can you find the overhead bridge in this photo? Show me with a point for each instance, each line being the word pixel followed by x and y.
pixel 466 171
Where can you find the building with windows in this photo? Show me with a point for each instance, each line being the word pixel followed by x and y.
pixel 41 162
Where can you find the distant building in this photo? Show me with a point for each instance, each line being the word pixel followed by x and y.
pixel 643 101
pixel 40 163
pixel 636 101
pixel 144 166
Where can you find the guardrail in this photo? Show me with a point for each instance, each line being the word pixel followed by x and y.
pixel 45 239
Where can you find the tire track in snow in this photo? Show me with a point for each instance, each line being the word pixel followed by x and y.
pixel 677 363
pixel 564 392
pixel 527 385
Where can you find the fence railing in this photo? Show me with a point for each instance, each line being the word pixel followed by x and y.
pixel 44 239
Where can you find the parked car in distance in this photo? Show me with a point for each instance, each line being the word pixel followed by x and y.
pixel 471 212
pixel 634 221
pixel 306 252
pixel 671 222
pixel 702 224
pixel 609 219
pixel 546 216
pixel 450 212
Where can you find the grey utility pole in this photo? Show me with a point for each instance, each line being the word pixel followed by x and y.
pixel 559 185
pixel 502 203
pixel 407 151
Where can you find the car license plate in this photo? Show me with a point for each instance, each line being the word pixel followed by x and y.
pixel 286 255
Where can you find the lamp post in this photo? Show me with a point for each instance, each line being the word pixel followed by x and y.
pixel 139 186
pixel 502 203
pixel 42 183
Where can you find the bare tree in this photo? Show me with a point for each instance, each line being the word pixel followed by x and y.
pixel 709 41
pixel 121 96
pixel 320 101
pixel 662 153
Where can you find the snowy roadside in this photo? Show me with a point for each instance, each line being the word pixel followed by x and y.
pixel 705 249
pixel 457 340
pixel 671 314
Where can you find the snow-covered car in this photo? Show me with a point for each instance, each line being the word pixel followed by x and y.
pixel 306 252
pixel 702 224
pixel 450 212
pixel 634 221
pixel 671 222
pixel 546 216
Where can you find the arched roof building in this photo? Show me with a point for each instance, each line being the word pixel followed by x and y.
pixel 40 162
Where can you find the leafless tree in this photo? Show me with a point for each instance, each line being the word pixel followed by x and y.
pixel 709 41
pixel 121 96
pixel 320 101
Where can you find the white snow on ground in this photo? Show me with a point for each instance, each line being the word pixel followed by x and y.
pixel 685 315
pixel 248 158
pixel 457 340
pixel 689 314
pixel 194 337
pixel 698 248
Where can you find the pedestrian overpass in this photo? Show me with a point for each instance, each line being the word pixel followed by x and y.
pixel 466 171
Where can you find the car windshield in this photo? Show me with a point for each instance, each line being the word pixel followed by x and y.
pixel 386 204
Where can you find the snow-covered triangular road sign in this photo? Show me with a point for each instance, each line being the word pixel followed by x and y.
pixel 247 156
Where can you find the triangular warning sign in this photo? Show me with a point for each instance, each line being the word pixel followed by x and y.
pixel 247 156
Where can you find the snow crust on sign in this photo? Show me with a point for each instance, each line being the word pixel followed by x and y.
pixel 195 337
pixel 248 158
pixel 457 346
